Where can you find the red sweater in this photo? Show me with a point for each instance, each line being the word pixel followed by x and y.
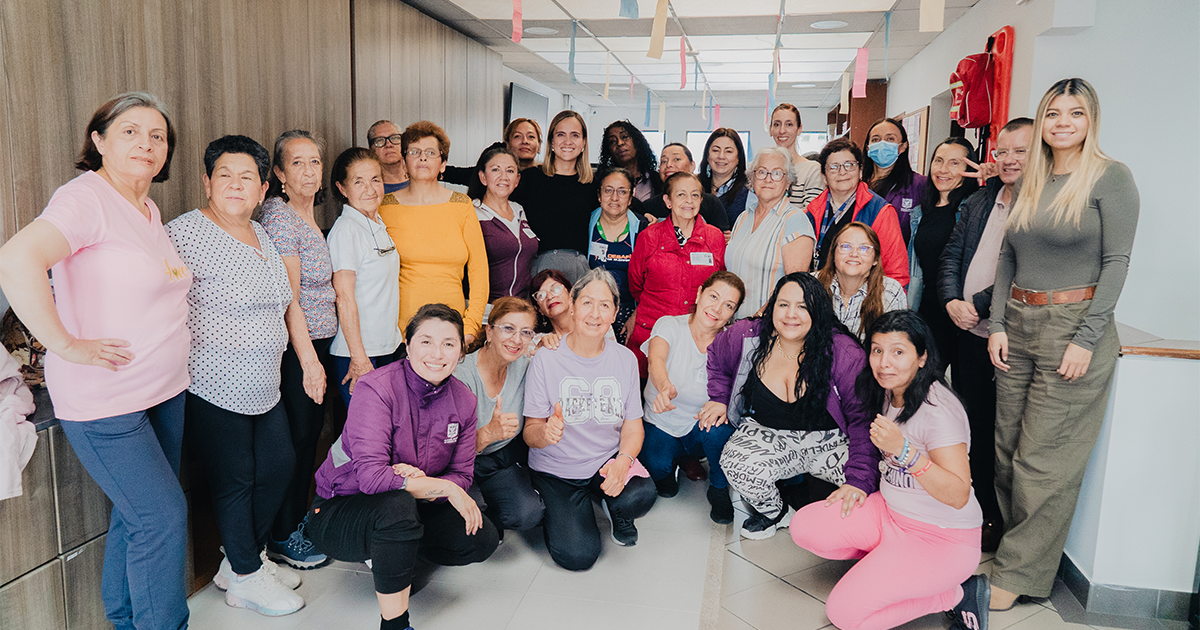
pixel 871 209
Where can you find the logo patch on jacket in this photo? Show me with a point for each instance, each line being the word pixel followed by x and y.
pixel 451 434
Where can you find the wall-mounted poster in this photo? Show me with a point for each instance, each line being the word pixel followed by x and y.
pixel 916 125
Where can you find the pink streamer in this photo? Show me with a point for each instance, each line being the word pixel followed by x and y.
pixel 682 63
pixel 860 74
pixel 516 22
pixel 717 117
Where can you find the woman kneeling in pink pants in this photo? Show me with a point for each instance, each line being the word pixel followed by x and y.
pixel 918 537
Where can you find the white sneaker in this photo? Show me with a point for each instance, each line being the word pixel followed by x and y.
pixel 286 577
pixel 263 594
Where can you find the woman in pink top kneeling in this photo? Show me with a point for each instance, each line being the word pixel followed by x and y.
pixel 918 537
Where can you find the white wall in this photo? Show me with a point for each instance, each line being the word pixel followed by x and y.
pixel 1144 60
pixel 557 102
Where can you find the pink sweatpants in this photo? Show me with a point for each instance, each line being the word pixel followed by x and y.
pixel 908 568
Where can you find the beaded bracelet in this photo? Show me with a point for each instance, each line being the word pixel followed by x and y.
pixel 923 470
pixel 916 456
pixel 903 454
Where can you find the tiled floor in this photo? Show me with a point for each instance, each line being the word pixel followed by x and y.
pixel 657 584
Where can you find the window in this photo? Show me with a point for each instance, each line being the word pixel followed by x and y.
pixel 697 139
pixel 811 142
pixel 656 139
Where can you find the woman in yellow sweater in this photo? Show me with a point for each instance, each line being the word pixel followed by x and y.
pixel 436 233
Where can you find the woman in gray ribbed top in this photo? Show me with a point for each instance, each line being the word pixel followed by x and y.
pixel 1053 338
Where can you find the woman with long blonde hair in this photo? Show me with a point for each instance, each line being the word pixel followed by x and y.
pixel 1052 337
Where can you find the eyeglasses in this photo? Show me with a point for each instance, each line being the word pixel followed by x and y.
pixel 775 175
pixel 1000 154
pixel 554 291
pixel 846 248
pixel 382 252
pixel 429 153
pixel 837 168
pixel 609 191
pixel 379 141
pixel 507 331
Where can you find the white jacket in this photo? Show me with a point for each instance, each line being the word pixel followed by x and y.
pixel 17 437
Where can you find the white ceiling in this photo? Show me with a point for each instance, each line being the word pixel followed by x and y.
pixel 732 42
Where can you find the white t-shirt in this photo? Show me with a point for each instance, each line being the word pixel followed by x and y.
pixel 940 422
pixel 360 245
pixel 687 368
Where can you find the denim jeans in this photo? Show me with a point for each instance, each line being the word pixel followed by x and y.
pixel 134 458
pixel 341 365
pixel 510 500
pixel 660 449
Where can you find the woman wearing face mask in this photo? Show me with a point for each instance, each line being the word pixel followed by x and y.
pixel 723 171
pixel 559 197
pixel 785 130
pixel 889 173
pixel 932 224
pixel 510 242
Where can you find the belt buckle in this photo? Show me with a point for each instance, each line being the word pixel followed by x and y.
pixel 1025 297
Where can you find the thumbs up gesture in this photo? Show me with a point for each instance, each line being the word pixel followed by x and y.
pixel 554 425
pixel 662 402
pixel 503 425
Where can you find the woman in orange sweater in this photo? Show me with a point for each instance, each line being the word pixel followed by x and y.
pixel 436 233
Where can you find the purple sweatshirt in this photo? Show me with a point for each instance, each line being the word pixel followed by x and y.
pixel 397 417
pixel 729 363
pixel 904 199
pixel 510 256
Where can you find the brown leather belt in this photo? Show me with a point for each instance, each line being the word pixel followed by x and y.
pixel 1042 298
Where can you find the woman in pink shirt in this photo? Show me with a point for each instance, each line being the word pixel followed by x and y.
pixel 116 328
pixel 918 537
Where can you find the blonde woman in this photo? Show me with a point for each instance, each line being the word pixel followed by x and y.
pixel 1052 335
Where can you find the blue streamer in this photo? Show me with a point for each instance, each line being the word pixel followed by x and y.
pixel 646 125
pixel 710 112
pixel 629 9
pixel 887 42
pixel 571 59
pixel 696 74
pixel 771 91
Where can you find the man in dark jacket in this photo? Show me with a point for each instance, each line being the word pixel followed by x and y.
pixel 968 269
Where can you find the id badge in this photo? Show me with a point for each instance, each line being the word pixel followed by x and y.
pixel 702 259
pixel 598 250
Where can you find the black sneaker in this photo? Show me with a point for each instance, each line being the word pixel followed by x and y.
pixel 722 507
pixel 623 531
pixel 972 612
pixel 759 527
pixel 668 486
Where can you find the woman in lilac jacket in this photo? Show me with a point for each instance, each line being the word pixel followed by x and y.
pixel 786 382
pixel 397 478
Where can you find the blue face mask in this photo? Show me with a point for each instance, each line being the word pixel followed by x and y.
pixel 883 153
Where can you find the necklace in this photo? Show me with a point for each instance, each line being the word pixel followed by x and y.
pixel 789 357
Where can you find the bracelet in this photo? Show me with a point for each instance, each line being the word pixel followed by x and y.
pixel 916 456
pixel 923 470
pixel 903 454
pixel 631 460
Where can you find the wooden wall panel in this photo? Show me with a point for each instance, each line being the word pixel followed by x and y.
pixel 405 77
pixel 455 116
pixel 8 206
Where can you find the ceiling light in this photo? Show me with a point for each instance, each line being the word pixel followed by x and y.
pixel 804 85
pixel 543 30
pixel 822 25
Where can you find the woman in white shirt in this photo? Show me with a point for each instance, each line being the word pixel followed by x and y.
pixel 365 268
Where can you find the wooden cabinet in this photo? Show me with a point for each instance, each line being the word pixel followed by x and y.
pixel 27 526
pixel 81 580
pixel 35 601
pixel 863 113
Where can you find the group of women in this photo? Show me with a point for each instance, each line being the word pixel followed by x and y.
pixel 536 315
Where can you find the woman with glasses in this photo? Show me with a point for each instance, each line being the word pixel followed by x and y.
pixel 365 268
pixel 723 171
pixel 288 216
pixel 496 375
pixel 888 172
pixel 855 280
pixel 848 199
pixel 772 238
pixel 612 231
pixel 436 234
pixel 511 244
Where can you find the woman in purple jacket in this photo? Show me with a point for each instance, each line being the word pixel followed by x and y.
pixel 397 478
pixel 786 382
pixel 510 242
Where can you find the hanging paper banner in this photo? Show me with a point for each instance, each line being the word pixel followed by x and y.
pixel 887 43
pixel 704 106
pixel 860 73
pixel 845 87
pixel 933 13
pixel 516 36
pixel 571 59
pixel 696 75
pixel 646 124
pixel 607 61
pixel 629 9
pixel 662 116
pixel 717 116
pixel 658 31
pixel 711 117
pixel 770 100
pixel 682 63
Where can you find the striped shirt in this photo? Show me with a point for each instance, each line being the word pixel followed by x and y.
pixel 850 312
pixel 809 184
pixel 756 255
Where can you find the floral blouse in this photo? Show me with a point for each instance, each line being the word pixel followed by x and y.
pixel 293 237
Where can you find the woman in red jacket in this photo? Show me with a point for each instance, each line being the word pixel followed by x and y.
pixel 672 259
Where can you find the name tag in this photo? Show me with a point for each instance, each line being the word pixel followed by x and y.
pixel 702 258
pixel 529 232
pixel 598 250
pixel 451 434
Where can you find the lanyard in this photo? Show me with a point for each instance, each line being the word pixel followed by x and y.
pixel 832 217
pixel 600 226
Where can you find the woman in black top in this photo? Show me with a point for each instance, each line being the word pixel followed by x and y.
pixel 945 189
pixel 723 171
pixel 625 147
pixel 559 198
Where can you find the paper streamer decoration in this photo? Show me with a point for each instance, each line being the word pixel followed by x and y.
pixel 933 13
pixel 845 106
pixel 571 59
pixel 887 43
pixel 607 61
pixel 658 31
pixel 646 125
pixel 770 97
pixel 629 9
pixel 705 106
pixel 517 29
pixel 717 116
pixel 682 63
pixel 860 73
pixel 696 76
pixel 662 116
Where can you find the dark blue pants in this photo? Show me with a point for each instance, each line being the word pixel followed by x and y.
pixel 341 365
pixel 660 449
pixel 510 500
pixel 134 458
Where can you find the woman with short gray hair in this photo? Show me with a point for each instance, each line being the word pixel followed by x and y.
pixel 772 238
